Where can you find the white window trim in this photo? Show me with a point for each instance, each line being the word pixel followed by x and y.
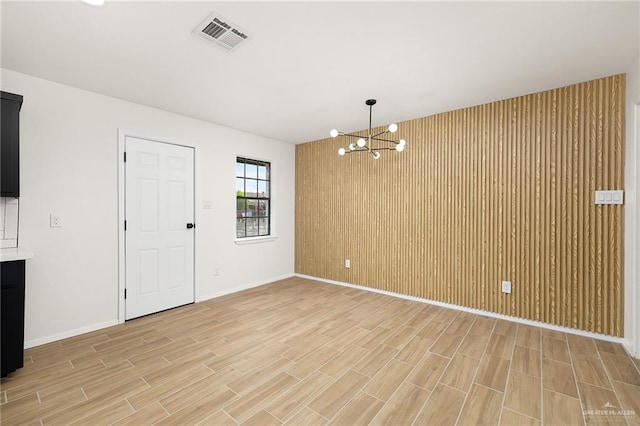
pixel 256 240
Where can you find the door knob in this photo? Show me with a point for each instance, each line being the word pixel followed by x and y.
pixel 191 225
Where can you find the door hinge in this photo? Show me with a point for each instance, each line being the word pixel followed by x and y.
pixel 125 157
pixel 125 225
pixel 125 293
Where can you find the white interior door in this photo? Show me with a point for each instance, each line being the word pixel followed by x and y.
pixel 159 239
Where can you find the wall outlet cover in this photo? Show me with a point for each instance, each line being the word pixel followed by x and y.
pixel 506 286
pixel 55 221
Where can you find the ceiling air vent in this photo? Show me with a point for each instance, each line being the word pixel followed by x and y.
pixel 220 31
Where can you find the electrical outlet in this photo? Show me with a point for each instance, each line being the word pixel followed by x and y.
pixel 506 286
pixel 347 263
pixel 206 204
pixel 55 220
pixel 216 271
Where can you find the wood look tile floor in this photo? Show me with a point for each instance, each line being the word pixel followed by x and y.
pixel 308 353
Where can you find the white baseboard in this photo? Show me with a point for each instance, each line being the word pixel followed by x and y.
pixel 202 298
pixel 71 333
pixel 477 311
pixel 628 346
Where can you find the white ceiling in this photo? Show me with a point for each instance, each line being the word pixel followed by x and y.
pixel 310 66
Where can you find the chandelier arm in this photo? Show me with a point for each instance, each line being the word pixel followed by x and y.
pixel 381 133
pixel 385 140
pixel 351 135
pixel 356 150
pixel 383 148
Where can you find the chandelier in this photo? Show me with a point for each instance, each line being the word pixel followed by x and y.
pixel 363 144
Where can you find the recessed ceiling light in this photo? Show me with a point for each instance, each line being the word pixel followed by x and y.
pixel 94 2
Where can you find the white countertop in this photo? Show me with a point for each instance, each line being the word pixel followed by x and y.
pixel 11 254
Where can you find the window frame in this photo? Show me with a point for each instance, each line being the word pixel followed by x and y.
pixel 269 236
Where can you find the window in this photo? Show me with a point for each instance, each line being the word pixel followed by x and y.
pixel 253 199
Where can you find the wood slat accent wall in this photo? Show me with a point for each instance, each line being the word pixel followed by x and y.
pixel 502 191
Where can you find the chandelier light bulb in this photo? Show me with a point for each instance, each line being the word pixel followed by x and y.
pixel 376 155
pixel 393 127
pixel 361 142
pixel 341 151
pixel 402 142
pixel 333 133
pixel 399 148
pixel 352 146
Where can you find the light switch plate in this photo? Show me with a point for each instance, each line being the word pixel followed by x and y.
pixel 609 197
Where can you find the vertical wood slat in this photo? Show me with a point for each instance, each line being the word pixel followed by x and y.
pixel 502 191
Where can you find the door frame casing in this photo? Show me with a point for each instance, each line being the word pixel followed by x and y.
pixel 122 281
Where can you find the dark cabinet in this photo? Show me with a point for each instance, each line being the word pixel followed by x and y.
pixel 10 145
pixel 12 339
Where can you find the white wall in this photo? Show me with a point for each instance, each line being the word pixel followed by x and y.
pixel 69 166
pixel 632 213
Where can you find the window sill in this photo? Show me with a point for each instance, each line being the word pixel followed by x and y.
pixel 255 240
